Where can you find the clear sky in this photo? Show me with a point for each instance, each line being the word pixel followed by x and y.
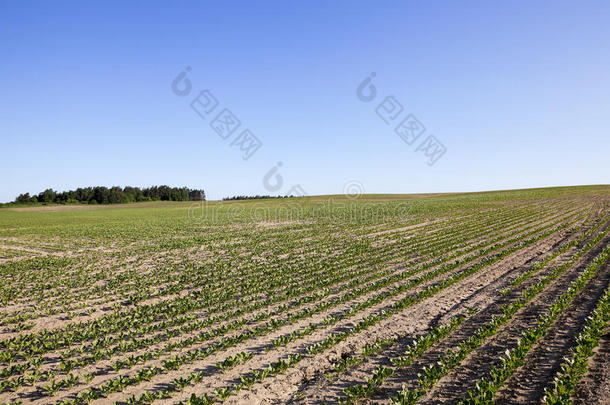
pixel 518 93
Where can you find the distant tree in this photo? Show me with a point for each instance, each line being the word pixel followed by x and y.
pixel 47 196
pixel 62 197
pixel 114 195
pixel 23 198
pixel 196 195
pixel 101 195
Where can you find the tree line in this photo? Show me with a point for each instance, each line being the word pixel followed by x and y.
pixel 113 195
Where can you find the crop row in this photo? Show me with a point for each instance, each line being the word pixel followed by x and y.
pixel 576 363
pixel 144 331
pixel 451 359
pixel 487 387
pixel 403 303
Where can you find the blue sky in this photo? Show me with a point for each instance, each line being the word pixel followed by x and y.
pixel 517 92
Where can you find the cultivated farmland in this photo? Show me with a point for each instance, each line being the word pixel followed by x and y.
pixel 474 298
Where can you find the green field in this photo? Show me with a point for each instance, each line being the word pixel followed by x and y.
pixel 379 299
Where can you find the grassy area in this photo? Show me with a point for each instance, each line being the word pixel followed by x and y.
pixel 130 302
